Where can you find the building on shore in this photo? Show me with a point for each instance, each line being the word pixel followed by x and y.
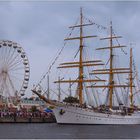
pixel 28 103
pixel 24 104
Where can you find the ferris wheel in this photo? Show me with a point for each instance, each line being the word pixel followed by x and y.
pixel 14 71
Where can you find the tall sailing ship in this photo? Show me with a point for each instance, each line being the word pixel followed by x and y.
pixel 74 110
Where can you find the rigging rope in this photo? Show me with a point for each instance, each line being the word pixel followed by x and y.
pixel 105 28
pixel 90 77
pixel 137 91
pixel 119 43
pixel 56 58
pixel 97 25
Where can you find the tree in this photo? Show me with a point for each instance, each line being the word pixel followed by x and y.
pixel 71 99
pixel 33 109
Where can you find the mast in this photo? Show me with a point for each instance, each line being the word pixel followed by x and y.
pixel 111 81
pixel 70 92
pixel 80 64
pixel 111 70
pixel 48 93
pixel 131 79
pixel 59 90
pixel 81 60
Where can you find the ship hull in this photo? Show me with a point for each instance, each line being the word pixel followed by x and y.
pixel 76 115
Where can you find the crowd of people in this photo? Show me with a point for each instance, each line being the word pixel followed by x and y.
pixel 25 115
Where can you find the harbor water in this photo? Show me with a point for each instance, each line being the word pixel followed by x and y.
pixel 59 131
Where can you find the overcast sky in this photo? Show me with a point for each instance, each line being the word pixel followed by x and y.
pixel 40 27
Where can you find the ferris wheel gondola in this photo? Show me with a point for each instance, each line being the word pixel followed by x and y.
pixel 14 70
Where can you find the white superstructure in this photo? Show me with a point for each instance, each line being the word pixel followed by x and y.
pixel 76 115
